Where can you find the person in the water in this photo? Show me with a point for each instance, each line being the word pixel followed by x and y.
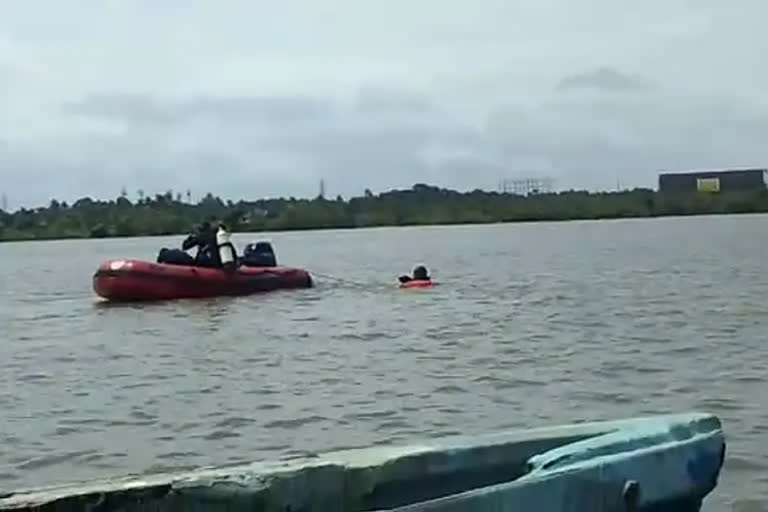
pixel 420 273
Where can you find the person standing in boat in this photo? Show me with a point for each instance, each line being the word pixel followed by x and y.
pixel 205 241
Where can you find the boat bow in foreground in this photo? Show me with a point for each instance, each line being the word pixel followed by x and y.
pixel 662 463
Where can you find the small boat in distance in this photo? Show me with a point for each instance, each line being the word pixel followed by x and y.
pixel 651 464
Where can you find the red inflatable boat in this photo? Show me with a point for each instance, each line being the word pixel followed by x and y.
pixel 132 280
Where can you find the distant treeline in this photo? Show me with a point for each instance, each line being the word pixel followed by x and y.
pixel 166 214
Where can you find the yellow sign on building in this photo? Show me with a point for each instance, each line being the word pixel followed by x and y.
pixel 708 184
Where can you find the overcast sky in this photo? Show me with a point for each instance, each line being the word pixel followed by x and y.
pixel 251 99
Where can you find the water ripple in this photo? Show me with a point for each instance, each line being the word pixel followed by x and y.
pixel 533 324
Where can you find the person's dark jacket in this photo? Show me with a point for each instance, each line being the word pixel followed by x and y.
pixel 207 250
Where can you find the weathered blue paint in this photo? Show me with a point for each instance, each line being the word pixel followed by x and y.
pixel 675 461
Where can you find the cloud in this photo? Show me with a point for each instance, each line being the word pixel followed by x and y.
pixel 374 141
pixel 388 138
pixel 132 108
pixel 251 99
pixel 145 109
pixel 603 79
pixel 375 99
pixel 7 74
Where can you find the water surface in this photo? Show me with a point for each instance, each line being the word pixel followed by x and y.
pixel 534 324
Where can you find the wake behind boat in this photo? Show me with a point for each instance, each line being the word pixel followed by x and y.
pixel 654 464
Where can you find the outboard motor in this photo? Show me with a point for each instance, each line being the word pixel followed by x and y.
pixel 259 254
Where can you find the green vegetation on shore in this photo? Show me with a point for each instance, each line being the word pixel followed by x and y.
pixel 166 214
